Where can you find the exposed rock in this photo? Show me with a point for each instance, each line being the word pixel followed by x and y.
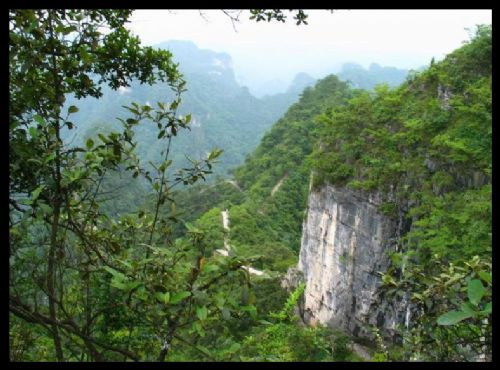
pixel 361 351
pixel 444 96
pixel 292 279
pixel 346 242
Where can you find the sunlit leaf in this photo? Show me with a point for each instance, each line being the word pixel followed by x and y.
pixel 452 317
pixel 176 298
pixel 475 291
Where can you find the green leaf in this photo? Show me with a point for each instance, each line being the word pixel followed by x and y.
pixel 103 138
pixel 265 322
pixel 118 284
pixel 201 312
pixel 418 296
pixel 452 317
pixel 89 143
pixel 487 309
pixel 475 291
pixel 485 276
pixel 234 347
pixel 72 109
pixel 33 132
pixel 39 119
pixel 226 314
pixel 112 271
pixel 467 308
pixel 132 285
pixel 36 193
pixel 210 268
pixel 214 154
pixel 142 294
pixel 165 165
pixel 68 30
pixel 176 298
pixel 163 297
pixel 252 310
pixel 132 121
pixel 199 329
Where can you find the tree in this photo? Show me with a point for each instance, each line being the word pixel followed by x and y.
pixel 76 273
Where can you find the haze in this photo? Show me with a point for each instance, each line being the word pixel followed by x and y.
pixel 272 53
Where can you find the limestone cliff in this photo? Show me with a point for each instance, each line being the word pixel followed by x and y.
pixel 346 241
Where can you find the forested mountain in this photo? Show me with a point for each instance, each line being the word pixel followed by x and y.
pixel 425 148
pixel 357 227
pixel 367 79
pixel 223 113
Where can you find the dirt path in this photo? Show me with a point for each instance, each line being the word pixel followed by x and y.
pixel 235 184
pixel 278 185
pixel 225 252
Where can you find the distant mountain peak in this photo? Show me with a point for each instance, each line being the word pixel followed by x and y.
pixel 193 60
pixel 363 78
pixel 300 82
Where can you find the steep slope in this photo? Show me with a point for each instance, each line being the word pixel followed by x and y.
pixel 224 114
pixel 281 158
pixel 275 177
pixel 402 178
pixel 268 223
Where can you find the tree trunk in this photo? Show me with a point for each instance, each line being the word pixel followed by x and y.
pixel 50 283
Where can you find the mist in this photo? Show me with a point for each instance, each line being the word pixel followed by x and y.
pixel 267 56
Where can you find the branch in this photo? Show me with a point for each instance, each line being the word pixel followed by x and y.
pixel 23 311
pixel 234 19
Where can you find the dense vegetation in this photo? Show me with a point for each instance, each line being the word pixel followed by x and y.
pixel 92 280
pixel 110 261
pixel 426 146
pixel 223 114
pixel 84 285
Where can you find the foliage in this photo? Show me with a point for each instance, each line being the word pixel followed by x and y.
pixel 286 340
pixel 425 148
pixel 452 308
pixel 94 278
pixel 277 14
pixel 85 284
pixel 223 113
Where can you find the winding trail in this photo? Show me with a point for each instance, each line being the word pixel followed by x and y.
pixel 278 185
pixel 225 252
pixel 235 184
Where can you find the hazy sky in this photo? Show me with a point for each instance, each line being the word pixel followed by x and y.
pixel 277 51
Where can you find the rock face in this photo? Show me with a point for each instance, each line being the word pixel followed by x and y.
pixel 345 243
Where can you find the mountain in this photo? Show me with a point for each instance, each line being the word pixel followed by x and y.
pixel 367 79
pixel 274 180
pixel 224 114
pixel 386 198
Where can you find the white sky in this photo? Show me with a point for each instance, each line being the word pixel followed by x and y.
pixel 277 51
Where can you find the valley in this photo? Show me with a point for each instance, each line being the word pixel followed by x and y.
pixel 160 211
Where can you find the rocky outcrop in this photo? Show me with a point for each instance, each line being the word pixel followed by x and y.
pixel 444 96
pixel 346 242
